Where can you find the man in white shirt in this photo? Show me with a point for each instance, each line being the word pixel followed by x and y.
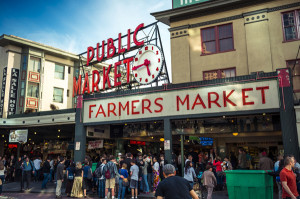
pixel 37 164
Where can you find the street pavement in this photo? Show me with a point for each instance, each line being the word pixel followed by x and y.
pixel 13 191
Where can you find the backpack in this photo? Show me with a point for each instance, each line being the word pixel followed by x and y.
pixel 89 174
pixel 99 172
pixel 71 175
pixel 107 172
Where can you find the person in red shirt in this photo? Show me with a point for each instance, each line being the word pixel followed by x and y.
pixel 217 163
pixel 288 179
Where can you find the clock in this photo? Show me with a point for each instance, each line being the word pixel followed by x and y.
pixel 147 64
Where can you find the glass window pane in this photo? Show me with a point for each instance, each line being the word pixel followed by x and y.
pixel 288 19
pixel 208 34
pixel 58 95
pixel 225 31
pixel 33 90
pixel 59 72
pixel 290 33
pixel 226 44
pixel 209 47
pixel 34 64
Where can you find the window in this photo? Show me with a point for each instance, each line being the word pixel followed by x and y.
pixel 294 65
pixel 219 74
pixel 291 25
pixel 33 90
pixel 59 72
pixel 58 95
pixel 34 64
pixel 217 39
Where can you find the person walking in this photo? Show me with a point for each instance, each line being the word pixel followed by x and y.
pixel 46 173
pixel 156 178
pixel 87 176
pixel 59 176
pixel 265 163
pixel 288 179
pixel 209 181
pixel 189 173
pixel 28 168
pixel 111 172
pixel 219 173
pixel 174 187
pixel 134 178
pixel 123 183
pixel 18 169
pixel 242 159
pixel 100 178
pixel 77 185
pixel 70 178
pixel 37 165
pixel 2 175
pixel 145 174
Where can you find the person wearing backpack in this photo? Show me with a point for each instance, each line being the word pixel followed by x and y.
pixel 28 168
pixel 87 177
pixel 100 178
pixel 70 178
pixel 111 172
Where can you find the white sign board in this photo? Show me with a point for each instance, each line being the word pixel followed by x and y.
pixel 167 145
pixel 97 144
pixel 229 98
pixel 18 136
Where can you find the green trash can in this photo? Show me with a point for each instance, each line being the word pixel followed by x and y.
pixel 249 184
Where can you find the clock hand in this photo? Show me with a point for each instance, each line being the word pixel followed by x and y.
pixel 148 71
pixel 146 63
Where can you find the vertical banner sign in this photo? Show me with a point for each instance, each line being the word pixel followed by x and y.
pixel 2 93
pixel 13 95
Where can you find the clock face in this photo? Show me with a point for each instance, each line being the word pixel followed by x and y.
pixel 147 64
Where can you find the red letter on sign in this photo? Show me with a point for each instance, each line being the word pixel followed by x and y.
pixel 134 107
pixel 128 40
pixel 102 54
pixel 263 96
pixel 120 48
pixel 106 77
pixel 110 46
pixel 90 110
pixel 135 33
pixel 86 84
pixel 146 107
pixel 158 104
pixel 121 107
pixel 244 96
pixel 111 110
pixel 198 98
pixel 213 101
pixel 100 111
pixel 77 87
pixel 127 63
pixel 186 99
pixel 95 84
pixel 226 99
pixel 117 75
pixel 89 57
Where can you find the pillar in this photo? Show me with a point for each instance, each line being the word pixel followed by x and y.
pixel 168 140
pixel 80 137
pixel 287 114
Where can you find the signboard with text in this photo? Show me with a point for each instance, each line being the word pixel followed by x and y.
pixel 13 95
pixel 182 3
pixel 2 93
pixel 97 144
pixel 228 98
pixel 18 136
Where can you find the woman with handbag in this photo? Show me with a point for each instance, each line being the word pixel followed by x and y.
pixel 189 173
pixel 70 178
pixel 156 178
pixel 123 183
pixel 2 175
pixel 77 185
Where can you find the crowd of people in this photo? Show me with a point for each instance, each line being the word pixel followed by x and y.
pixel 144 173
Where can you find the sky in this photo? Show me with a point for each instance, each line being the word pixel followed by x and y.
pixel 73 25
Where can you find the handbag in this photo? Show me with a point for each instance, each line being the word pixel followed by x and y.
pixel 125 182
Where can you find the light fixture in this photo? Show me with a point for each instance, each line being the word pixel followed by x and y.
pixel 4 140
pixel 235 134
pixel 162 139
pixel 151 137
pixel 3 136
pixel 224 116
pixel 34 133
pixel 58 130
pixel 264 114
pixel 125 124
pixel 29 139
pixel 58 136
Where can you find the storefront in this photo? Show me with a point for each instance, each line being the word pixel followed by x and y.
pixel 254 111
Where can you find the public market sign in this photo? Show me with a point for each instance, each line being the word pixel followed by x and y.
pixel 146 65
pixel 182 3
pixel 230 98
